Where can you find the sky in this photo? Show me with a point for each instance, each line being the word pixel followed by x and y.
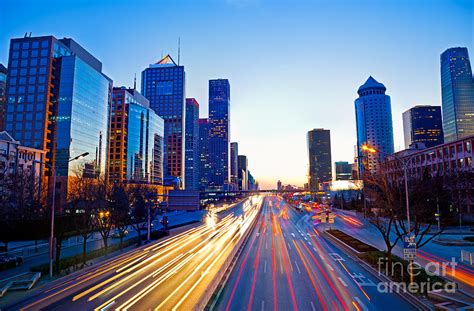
pixel 292 65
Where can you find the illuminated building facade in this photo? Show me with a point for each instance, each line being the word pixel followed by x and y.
pixel 343 170
pixel 374 124
pixel 457 94
pixel 191 170
pixel 204 131
pixel 423 124
pixel 58 102
pixel 319 156
pixel 219 136
pixel 243 172
pixel 163 84
pixel 234 164
pixel 135 139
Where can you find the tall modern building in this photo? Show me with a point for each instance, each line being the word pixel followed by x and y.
pixel 219 136
pixel 423 124
pixel 191 171
pixel 163 84
pixel 135 139
pixel 3 86
pixel 457 94
pixel 243 171
pixel 343 170
pixel 319 153
pixel 204 131
pixel 58 101
pixel 374 124
pixel 234 164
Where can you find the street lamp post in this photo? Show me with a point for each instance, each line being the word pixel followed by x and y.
pixel 405 177
pixel 51 238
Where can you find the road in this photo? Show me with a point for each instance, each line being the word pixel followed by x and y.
pixel 430 253
pixel 168 275
pixel 287 265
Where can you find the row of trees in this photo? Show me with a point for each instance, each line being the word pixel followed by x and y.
pixel 93 206
pixel 430 196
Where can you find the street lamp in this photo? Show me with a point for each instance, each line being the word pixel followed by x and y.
pixel 404 163
pixel 51 238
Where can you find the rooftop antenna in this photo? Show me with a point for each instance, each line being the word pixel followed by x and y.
pixel 135 82
pixel 179 48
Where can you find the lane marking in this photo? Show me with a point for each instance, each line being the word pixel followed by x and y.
pixel 263 305
pixel 312 306
pixel 315 249
pixel 265 267
pixel 293 235
pixel 289 246
pixel 342 282
pixel 297 267
pixel 361 304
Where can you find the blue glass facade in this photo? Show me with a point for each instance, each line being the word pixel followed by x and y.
pixel 204 131
pixel 219 138
pixel 58 101
pixel 192 144
pixel 374 123
pixel 82 118
pixel 136 139
pixel 457 93
pixel 163 84
pixel 423 124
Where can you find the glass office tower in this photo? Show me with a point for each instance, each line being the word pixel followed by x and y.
pixel 319 155
pixel 163 85
pixel 423 124
pixel 136 139
pixel 374 124
pixel 204 131
pixel 457 94
pixel 58 101
pixel 191 176
pixel 219 139
pixel 234 164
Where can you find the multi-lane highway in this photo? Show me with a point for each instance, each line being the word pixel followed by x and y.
pixel 173 274
pixel 287 265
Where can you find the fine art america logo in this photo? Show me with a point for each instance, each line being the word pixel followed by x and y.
pixel 413 278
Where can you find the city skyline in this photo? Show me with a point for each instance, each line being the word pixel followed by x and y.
pixel 408 64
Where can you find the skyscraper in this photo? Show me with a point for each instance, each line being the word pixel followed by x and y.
pixel 319 153
pixel 374 124
pixel 457 94
pixel 423 124
pixel 3 86
pixel 243 172
pixel 204 130
pixel 135 139
pixel 163 84
pixel 219 137
pixel 191 175
pixel 343 170
pixel 234 164
pixel 58 101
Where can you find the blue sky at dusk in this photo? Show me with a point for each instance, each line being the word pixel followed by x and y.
pixel 293 65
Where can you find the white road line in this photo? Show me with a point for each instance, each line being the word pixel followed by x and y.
pixel 263 305
pixel 312 306
pixel 361 304
pixel 265 267
pixel 266 245
pixel 315 249
pixel 298 267
pixel 293 234
pixel 342 281
pixel 289 246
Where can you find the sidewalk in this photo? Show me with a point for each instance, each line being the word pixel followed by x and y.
pixel 73 246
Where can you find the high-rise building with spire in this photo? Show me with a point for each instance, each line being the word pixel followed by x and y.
pixel 374 124
pixel 163 84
